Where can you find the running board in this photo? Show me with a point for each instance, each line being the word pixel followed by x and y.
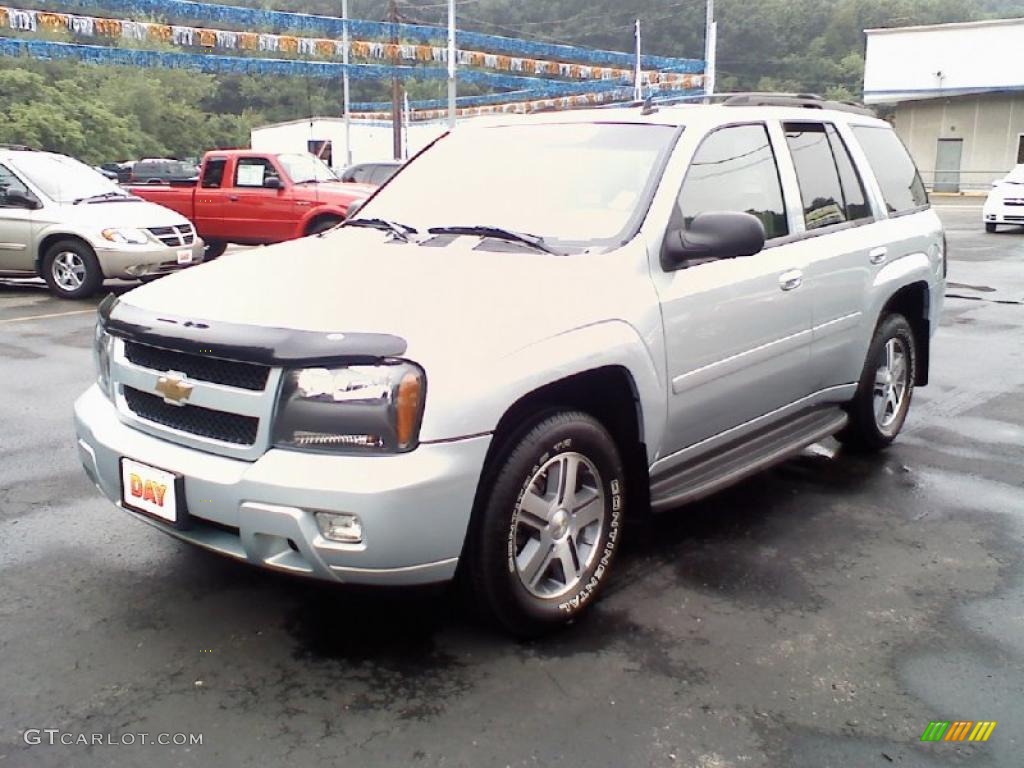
pixel 709 474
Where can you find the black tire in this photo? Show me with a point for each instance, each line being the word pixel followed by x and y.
pixel 214 249
pixel 322 225
pixel 864 432
pixel 498 537
pixel 91 278
pixel 990 228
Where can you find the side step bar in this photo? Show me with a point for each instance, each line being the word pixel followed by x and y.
pixel 709 474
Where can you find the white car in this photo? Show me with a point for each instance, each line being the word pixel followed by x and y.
pixel 1005 203
pixel 67 223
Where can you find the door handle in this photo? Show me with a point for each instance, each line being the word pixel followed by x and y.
pixel 878 255
pixel 791 280
pixel 233 198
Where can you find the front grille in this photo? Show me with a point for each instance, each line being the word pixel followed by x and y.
pixel 1014 218
pixel 230 373
pixel 1014 202
pixel 196 420
pixel 175 237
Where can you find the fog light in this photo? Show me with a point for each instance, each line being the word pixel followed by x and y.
pixel 336 526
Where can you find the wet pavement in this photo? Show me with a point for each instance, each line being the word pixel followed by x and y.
pixel 820 614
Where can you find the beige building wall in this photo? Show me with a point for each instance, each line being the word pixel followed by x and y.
pixel 990 125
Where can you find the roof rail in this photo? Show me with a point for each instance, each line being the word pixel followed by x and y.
pixel 751 99
pixel 19 147
pixel 804 100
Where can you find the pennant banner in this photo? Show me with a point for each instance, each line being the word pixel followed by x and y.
pixel 89 26
pixel 241 65
pixel 327 26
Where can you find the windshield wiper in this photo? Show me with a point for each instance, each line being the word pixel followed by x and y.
pixel 499 233
pixel 104 196
pixel 401 231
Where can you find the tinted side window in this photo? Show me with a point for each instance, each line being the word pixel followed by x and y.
pixel 11 183
pixel 853 188
pixel 213 173
pixel 734 169
pixel 897 175
pixel 820 191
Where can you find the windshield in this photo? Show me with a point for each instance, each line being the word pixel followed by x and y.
pixel 1016 175
pixel 574 184
pixel 306 168
pixel 63 179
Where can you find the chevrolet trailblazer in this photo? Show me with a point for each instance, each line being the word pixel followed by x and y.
pixel 537 331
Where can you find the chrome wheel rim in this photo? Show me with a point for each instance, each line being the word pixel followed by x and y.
pixel 558 525
pixel 892 381
pixel 68 270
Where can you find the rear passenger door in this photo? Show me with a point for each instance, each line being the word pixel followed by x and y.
pixel 737 331
pixel 210 199
pixel 840 245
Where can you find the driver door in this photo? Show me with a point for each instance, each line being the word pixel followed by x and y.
pixel 17 224
pixel 737 331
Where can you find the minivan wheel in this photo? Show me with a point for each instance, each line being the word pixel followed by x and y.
pixel 549 526
pixel 71 270
pixel 990 228
pixel 879 409
pixel 323 225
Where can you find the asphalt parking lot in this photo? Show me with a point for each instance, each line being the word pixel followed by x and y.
pixel 818 615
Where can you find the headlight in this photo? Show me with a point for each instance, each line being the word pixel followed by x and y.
pixel 126 236
pixel 357 409
pixel 102 351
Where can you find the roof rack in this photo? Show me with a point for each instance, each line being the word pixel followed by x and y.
pixel 803 100
pixel 750 99
pixel 18 147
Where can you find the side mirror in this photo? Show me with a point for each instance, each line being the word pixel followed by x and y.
pixel 712 236
pixel 20 200
pixel 272 183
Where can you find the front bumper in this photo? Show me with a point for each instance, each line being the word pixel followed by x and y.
pixel 1000 213
pixel 128 262
pixel 414 508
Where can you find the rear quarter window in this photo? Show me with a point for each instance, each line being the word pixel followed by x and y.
pixel 902 188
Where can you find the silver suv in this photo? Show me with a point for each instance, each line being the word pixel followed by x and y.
pixel 66 222
pixel 538 330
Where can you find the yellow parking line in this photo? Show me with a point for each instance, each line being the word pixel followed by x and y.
pixel 46 317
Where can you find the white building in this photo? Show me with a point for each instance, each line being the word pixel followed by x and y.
pixel 958 92
pixel 370 140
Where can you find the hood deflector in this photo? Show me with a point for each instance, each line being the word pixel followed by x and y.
pixel 246 343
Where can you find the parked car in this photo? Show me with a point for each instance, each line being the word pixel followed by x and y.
pixel 376 173
pixel 162 171
pixel 62 220
pixel 1005 203
pixel 604 314
pixel 255 198
pixel 106 172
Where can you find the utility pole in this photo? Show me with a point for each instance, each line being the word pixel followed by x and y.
pixel 346 43
pixel 452 87
pixel 638 83
pixel 710 52
pixel 396 88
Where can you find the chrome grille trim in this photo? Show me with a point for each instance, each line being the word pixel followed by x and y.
pixel 216 397
pixel 176 236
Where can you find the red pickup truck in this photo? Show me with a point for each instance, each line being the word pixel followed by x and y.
pixel 254 198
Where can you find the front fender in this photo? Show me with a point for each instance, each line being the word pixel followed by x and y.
pixel 458 405
pixel 316 213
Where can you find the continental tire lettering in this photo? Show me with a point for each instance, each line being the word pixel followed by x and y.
pixel 582 597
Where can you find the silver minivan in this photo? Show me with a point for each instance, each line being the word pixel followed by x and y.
pixel 67 223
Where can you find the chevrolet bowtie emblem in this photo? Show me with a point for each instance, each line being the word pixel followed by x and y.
pixel 174 389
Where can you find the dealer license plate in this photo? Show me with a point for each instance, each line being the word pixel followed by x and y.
pixel 185 257
pixel 149 490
